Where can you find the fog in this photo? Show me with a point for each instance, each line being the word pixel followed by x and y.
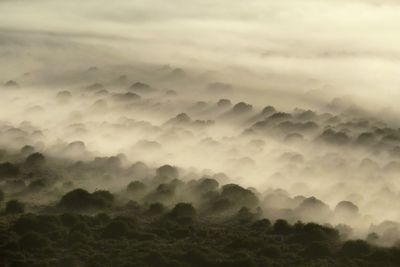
pixel 345 47
pixel 296 100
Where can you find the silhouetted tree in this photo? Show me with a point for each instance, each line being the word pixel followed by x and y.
pixel 81 200
pixel 168 171
pixel 346 208
pixel 183 212
pixel 240 196
pixel 282 227
pixel 242 107
pixel 136 187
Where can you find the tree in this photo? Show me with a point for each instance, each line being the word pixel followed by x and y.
pixel 242 107
pixel 356 248
pixel 35 160
pixel 372 238
pixel 271 251
pixel 102 198
pixel 183 212
pixel 81 200
pixel 313 209
pixel 8 170
pixel 239 196
pixel 261 225
pixel 27 150
pixel 77 199
pixel 282 227
pixel 136 187
pixel 33 241
pixel 224 103
pixel 138 170
pixel 346 209
pixel 244 216
pixel 70 220
pixel 68 261
pixel 116 229
pixel 11 84
pixel 206 185
pixel 318 250
pixel 76 237
pixel 15 206
pixel 268 110
pixel 156 209
pixel 168 171
pixel 38 185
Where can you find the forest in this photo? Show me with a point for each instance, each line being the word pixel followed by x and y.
pixel 199 133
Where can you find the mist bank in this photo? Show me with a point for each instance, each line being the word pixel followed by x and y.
pixel 291 46
pixel 336 163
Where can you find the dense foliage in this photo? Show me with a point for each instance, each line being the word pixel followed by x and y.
pixel 153 236
pixel 66 203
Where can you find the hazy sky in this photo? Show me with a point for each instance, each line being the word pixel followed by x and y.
pixel 348 46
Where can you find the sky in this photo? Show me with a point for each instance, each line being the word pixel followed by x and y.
pixel 325 47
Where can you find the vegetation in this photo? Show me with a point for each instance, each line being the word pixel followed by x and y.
pixel 63 203
pixel 179 238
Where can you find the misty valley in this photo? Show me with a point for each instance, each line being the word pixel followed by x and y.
pixel 155 165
